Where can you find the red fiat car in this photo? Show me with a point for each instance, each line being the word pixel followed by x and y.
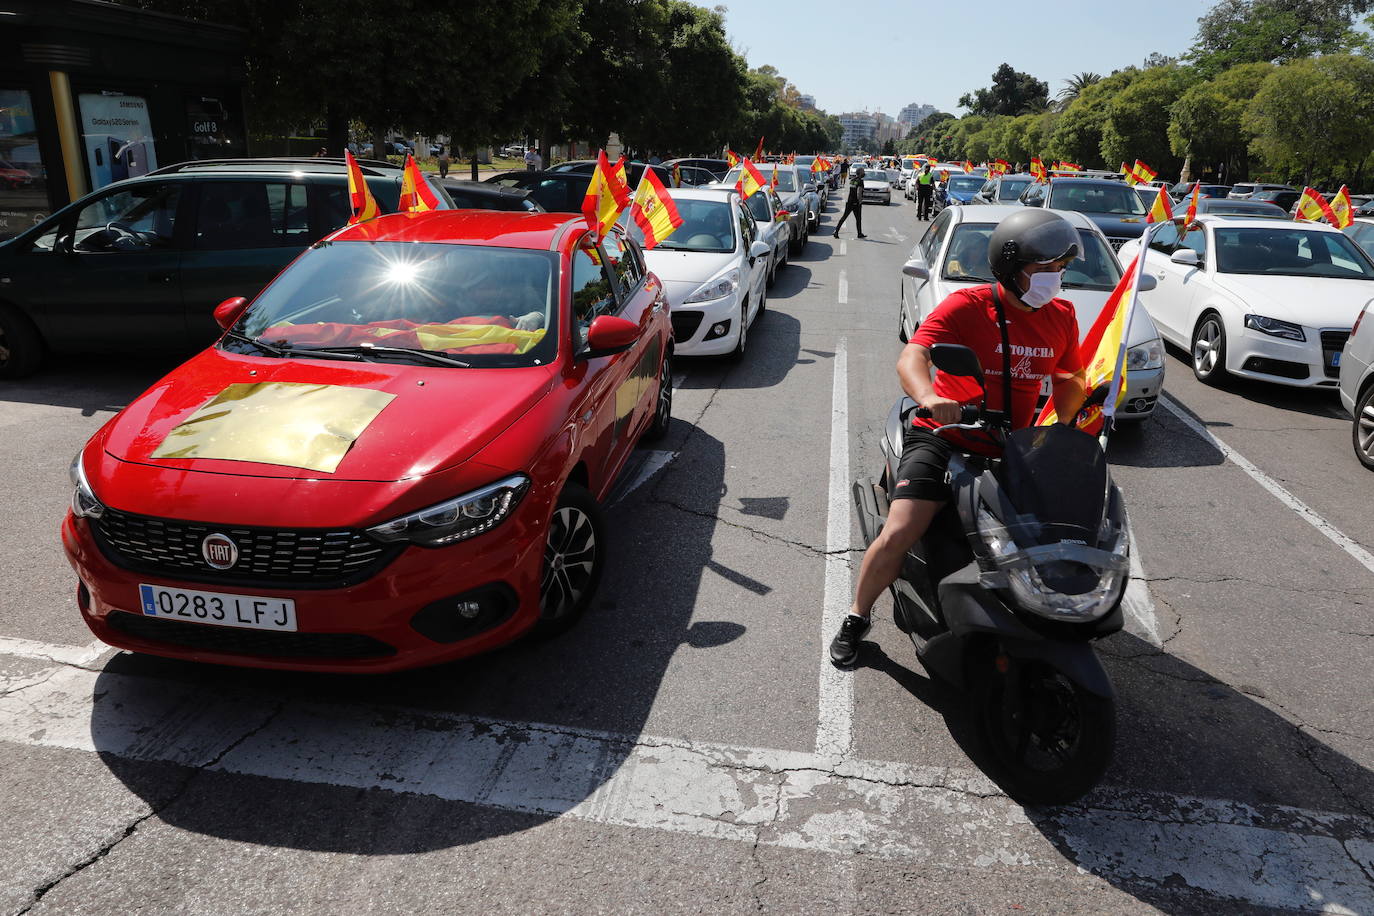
pixel 393 457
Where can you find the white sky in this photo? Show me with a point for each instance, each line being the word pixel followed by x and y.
pixel 874 55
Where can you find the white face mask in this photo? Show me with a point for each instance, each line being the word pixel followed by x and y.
pixel 1043 287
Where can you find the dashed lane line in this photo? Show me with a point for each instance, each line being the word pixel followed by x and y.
pixel 843 288
pixel 1201 854
pixel 835 722
pixel 844 248
pixel 1304 511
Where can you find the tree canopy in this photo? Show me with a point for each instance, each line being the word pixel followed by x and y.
pixel 1012 93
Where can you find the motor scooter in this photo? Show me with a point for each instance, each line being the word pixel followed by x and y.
pixel 1015 578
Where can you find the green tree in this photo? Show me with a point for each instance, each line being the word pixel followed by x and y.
pixel 1012 93
pixel 1075 85
pixel 1314 118
pixel 1077 134
pixel 1207 121
pixel 1273 31
pixel 1137 122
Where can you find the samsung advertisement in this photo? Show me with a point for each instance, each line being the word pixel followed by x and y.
pixel 118 137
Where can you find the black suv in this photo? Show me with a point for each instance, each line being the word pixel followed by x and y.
pixel 141 264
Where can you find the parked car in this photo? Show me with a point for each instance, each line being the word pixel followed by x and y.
pixel 792 188
pixel 13 176
pixel 1246 190
pixel 634 171
pixel 1244 208
pixel 1284 200
pixel 1182 189
pixel 373 468
pixel 1113 206
pixel 478 195
pixel 775 223
pixel 1148 194
pixel 877 186
pixel 953 253
pixel 556 192
pixel 1361 232
pixel 717 167
pixel 714 269
pixel 1003 189
pixel 1357 385
pixel 694 176
pixel 1258 298
pixel 140 264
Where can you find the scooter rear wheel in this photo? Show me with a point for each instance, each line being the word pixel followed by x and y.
pixel 1049 739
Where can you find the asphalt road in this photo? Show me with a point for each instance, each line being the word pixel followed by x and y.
pixel 686 749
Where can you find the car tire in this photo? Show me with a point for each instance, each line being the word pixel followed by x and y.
pixel 21 346
pixel 901 315
pixel 1208 350
pixel 663 403
pixel 574 556
pixel 1362 429
pixel 772 273
pixel 742 343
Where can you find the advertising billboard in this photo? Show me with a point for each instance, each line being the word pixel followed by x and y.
pixel 117 136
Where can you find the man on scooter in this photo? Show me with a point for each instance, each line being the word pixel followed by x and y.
pixel 1027 252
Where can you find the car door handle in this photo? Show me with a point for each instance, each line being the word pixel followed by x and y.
pixel 161 277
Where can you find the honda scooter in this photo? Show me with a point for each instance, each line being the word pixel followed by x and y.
pixel 1015 578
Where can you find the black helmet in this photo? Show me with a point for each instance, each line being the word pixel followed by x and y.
pixel 1029 236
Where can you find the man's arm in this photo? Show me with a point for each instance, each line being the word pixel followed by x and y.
pixel 1067 393
pixel 913 368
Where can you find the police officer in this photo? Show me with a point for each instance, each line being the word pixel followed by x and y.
pixel 925 190
pixel 854 203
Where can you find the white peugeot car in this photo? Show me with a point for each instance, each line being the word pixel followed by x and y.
pixel 953 254
pixel 714 269
pixel 1258 298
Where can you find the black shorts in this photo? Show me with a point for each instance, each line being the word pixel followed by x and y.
pixel 923 472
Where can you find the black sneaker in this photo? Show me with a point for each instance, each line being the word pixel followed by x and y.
pixel 844 648
pixel 862 236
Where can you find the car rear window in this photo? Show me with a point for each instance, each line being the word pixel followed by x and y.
pixel 1077 195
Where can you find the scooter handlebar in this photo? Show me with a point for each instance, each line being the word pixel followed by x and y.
pixel 968 413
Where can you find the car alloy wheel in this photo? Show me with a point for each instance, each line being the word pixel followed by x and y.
pixel 1209 350
pixel 742 343
pixel 573 560
pixel 663 407
pixel 901 317
pixel 1362 433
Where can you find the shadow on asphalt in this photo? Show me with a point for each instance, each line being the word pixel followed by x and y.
pixel 1160 442
pixel 1181 733
pixel 90 383
pixel 1312 402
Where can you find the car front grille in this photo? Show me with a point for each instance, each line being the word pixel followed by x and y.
pixel 1333 342
pixel 279 557
pixel 263 643
pixel 685 325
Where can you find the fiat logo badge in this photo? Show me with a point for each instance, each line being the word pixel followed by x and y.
pixel 219 551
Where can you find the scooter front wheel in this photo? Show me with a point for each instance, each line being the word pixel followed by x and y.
pixel 1049 739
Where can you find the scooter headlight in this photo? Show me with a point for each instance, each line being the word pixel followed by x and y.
pixel 1021 573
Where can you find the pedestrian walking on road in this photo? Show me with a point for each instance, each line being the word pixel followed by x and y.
pixel 854 203
pixel 443 161
pixel 844 169
pixel 925 192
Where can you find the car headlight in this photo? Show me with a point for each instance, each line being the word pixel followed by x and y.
pixel 84 502
pixel 456 519
pixel 718 288
pixel 1019 573
pixel 1149 355
pixel 1275 328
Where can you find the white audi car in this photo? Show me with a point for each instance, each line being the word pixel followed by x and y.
pixel 953 253
pixel 714 269
pixel 1258 298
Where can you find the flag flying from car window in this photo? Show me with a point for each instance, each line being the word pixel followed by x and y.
pixel 968 167
pixel 1102 352
pixel 607 196
pixel 758 151
pixel 1142 172
pixel 653 210
pixel 773 182
pixel 750 180
pixel 1313 208
pixel 1130 179
pixel 416 194
pixel 1191 215
pixel 1037 169
pixel 1342 209
pixel 731 158
pixel 677 175
pixel 1001 167
pixel 360 199
pixel 792 159
pixel 1162 209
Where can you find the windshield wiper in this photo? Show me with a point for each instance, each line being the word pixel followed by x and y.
pixel 362 350
pixel 262 345
pixel 967 277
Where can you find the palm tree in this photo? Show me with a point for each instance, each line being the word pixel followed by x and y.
pixel 1074 85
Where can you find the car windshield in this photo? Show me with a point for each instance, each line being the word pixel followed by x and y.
pixel 1078 195
pixel 876 175
pixel 484 306
pixel 787 179
pixel 707 225
pixel 1095 268
pixel 1236 208
pixel 1289 252
pixel 966 184
pixel 1011 188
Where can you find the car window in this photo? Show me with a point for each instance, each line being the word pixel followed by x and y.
pixel 967 258
pixel 1165 239
pixel 748 231
pixel 1011 188
pixel 1295 252
pixel 1363 234
pixel 1197 241
pixel 251 214
pixel 758 207
pixel 625 260
pixel 935 235
pixel 137 218
pixel 591 290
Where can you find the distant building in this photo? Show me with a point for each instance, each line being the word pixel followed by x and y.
pixel 859 129
pixel 914 114
pixel 806 102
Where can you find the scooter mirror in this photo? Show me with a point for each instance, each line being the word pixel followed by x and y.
pixel 956 359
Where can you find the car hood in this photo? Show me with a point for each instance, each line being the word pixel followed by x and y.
pixel 683 271
pixel 1317 302
pixel 1118 227
pixel 436 418
pixel 1087 305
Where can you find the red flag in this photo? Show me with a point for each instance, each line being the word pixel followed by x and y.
pixel 416 194
pixel 731 158
pixel 1161 210
pixel 607 195
pixel 758 153
pixel 1192 206
pixel 360 199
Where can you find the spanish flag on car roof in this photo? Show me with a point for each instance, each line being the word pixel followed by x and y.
pixel 416 194
pixel 360 199
pixel 653 210
pixel 1162 209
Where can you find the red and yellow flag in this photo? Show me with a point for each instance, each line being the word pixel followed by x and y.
pixel 731 158
pixel 968 167
pixel 791 159
pixel 607 196
pixel 750 182
pixel 416 194
pixel 1313 208
pixel 1002 167
pixel 1102 350
pixel 1342 209
pixel 1162 209
pixel 1191 215
pixel 1037 169
pixel 653 210
pixel 677 175
pixel 758 151
pixel 360 199
pixel 1143 173
pixel 773 182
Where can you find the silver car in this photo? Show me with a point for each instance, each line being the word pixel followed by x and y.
pixel 775 226
pixel 795 197
pixel 1357 387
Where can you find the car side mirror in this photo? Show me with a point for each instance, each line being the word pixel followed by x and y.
pixel 916 270
pixel 957 359
pixel 759 250
pixel 229 311
pixel 1147 283
pixel 1187 257
pixel 65 243
pixel 609 335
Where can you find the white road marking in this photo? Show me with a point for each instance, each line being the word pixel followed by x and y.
pixel 1305 512
pixel 844 288
pixel 835 723
pixel 649 464
pixel 47 652
pixel 844 248
pixel 892 231
pixel 1137 603
pixel 1173 847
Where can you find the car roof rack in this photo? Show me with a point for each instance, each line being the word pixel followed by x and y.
pixel 287 163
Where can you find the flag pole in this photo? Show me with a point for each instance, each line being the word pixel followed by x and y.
pixel 1109 408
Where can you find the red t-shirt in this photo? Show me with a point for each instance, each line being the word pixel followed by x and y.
pixel 1043 343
